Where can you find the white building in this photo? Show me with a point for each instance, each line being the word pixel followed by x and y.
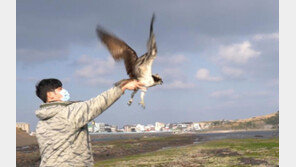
pixel 24 126
pixel 129 128
pixel 159 126
pixel 149 128
pixel 204 125
pixel 96 127
pixel 100 127
pixel 90 127
pixel 140 128
pixel 114 128
pixel 196 126
pixel 33 134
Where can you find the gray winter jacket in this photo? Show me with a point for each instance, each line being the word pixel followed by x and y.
pixel 62 132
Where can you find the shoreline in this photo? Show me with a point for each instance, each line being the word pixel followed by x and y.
pixel 233 131
pixel 171 132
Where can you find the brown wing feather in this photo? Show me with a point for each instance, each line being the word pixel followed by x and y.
pixel 119 50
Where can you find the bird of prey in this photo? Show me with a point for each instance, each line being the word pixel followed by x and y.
pixel 139 68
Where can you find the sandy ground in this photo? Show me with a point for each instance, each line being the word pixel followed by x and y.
pixel 24 139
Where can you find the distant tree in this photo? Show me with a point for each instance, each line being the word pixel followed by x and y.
pixel 249 124
pixel 274 120
pixel 215 123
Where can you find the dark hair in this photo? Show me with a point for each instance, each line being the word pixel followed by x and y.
pixel 47 85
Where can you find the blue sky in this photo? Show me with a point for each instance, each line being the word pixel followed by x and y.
pixel 218 59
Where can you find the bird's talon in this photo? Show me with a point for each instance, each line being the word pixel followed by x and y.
pixel 142 104
pixel 129 102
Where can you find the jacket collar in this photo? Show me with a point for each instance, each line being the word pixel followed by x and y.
pixel 62 103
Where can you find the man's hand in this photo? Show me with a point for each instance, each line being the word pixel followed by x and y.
pixel 132 85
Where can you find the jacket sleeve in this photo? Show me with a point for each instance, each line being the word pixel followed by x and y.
pixel 79 114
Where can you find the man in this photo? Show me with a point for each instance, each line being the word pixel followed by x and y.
pixel 62 132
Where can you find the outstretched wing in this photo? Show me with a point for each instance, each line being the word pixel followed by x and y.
pixel 144 62
pixel 151 44
pixel 119 50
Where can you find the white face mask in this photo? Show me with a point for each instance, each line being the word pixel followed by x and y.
pixel 65 95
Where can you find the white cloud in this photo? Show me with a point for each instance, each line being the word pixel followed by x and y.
pixel 233 72
pixel 204 75
pixel 94 70
pixel 172 59
pixel 229 93
pixel 175 79
pixel 178 85
pixel 238 53
pixel 259 37
pixel 93 67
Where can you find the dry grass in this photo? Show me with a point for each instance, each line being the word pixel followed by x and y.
pixel 229 152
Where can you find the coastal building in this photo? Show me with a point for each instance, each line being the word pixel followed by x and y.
pixel 204 125
pixel 189 126
pixel 93 123
pixel 129 128
pixel 108 128
pixel 96 127
pixel 140 128
pixel 196 126
pixel 159 126
pixel 166 128
pixel 181 126
pixel 90 127
pixel 174 126
pixel 114 128
pixel 100 127
pixel 149 128
pixel 24 126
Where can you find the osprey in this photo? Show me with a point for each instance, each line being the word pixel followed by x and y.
pixel 136 67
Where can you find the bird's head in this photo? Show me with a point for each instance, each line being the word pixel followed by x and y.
pixel 157 79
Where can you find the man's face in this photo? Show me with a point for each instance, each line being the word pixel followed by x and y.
pixel 54 95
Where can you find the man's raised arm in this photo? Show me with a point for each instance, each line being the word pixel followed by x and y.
pixel 79 114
